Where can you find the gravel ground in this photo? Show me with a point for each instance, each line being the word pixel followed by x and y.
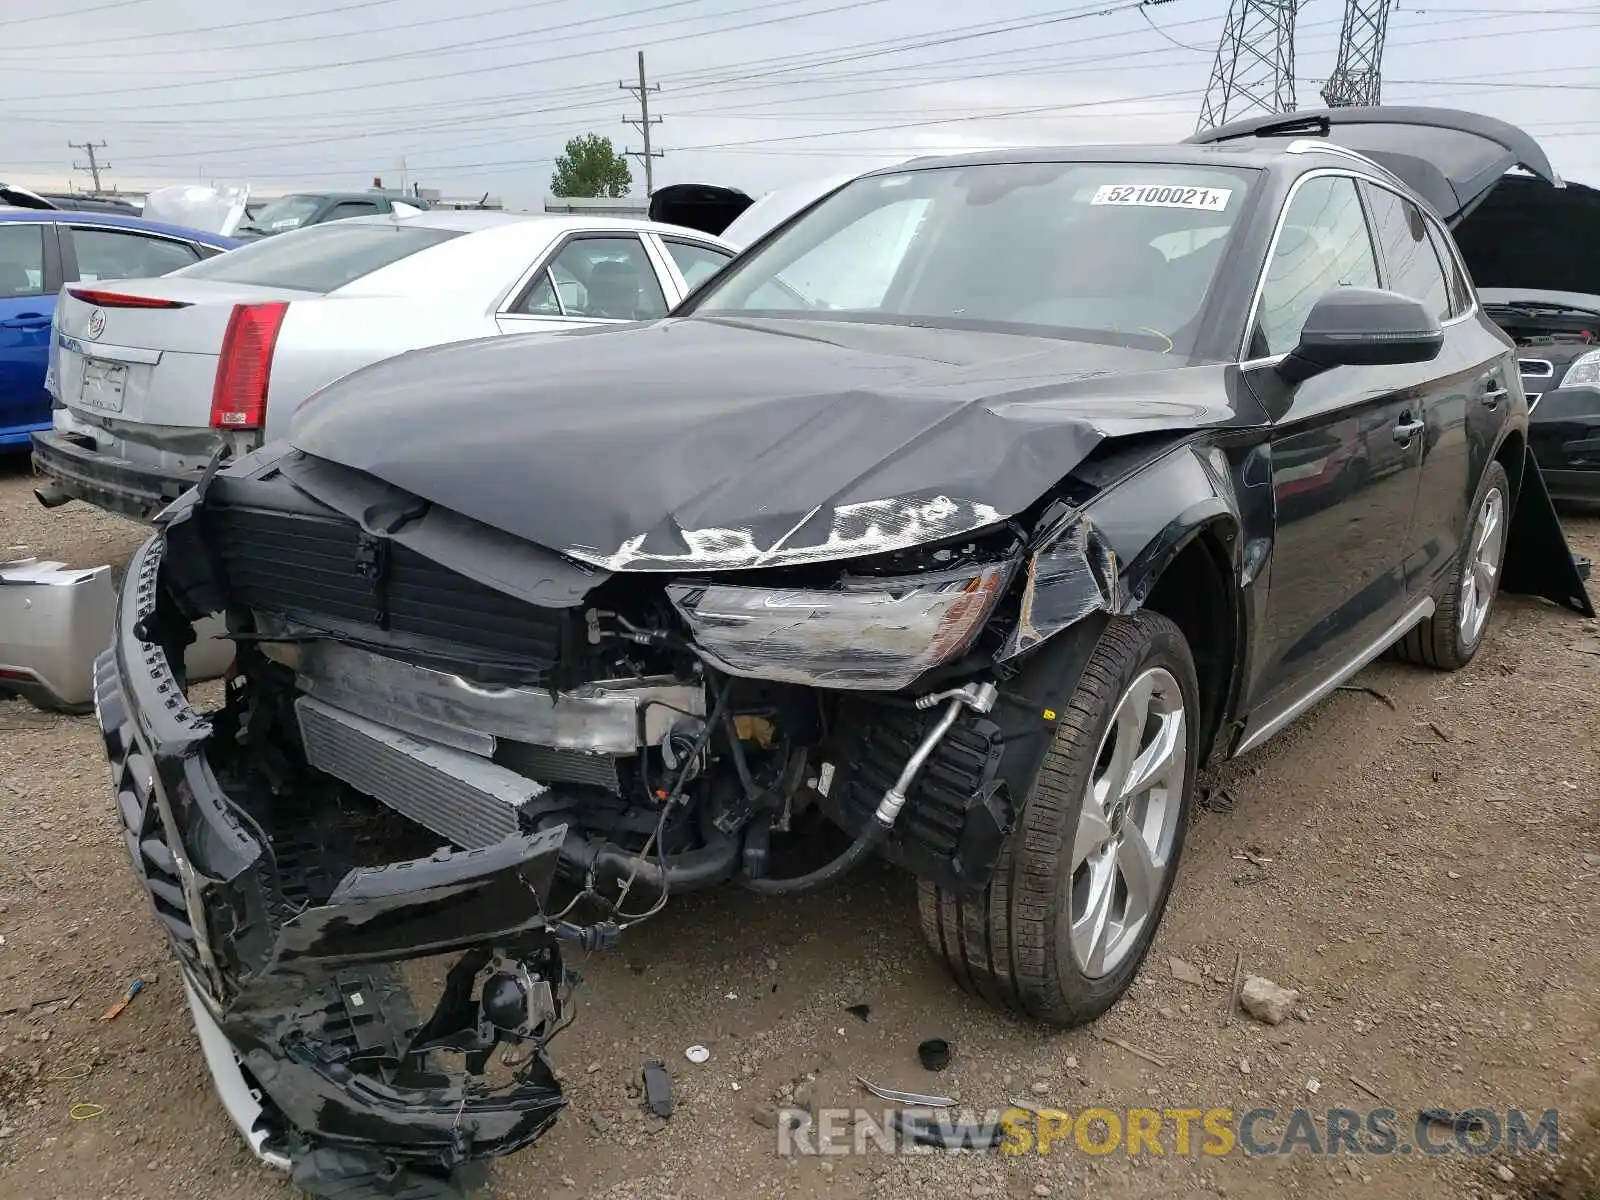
pixel 1419 863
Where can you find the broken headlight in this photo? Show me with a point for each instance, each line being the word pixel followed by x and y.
pixel 1585 369
pixel 874 634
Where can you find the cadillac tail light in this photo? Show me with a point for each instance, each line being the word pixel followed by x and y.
pixel 244 368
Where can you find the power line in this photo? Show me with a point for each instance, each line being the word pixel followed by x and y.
pixel 647 156
pixel 76 12
pixel 702 79
pixel 75 43
pixel 471 44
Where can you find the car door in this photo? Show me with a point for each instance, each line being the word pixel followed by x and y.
pixel 1345 458
pixel 692 262
pixel 96 252
pixel 30 277
pixel 590 279
pixel 1464 393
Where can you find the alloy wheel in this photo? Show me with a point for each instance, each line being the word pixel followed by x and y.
pixel 1484 552
pixel 1127 826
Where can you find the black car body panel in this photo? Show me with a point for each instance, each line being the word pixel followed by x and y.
pixel 702 206
pixel 1450 158
pixel 748 444
pixel 620 617
pixel 1534 252
pixel 1564 434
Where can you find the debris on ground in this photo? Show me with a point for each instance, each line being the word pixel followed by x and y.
pixel 1266 1001
pixel 1185 972
pixel 914 1099
pixel 860 1011
pixel 697 1054
pixel 934 1054
pixel 657 1089
pixel 116 1010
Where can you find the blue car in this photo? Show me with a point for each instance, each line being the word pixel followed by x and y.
pixel 42 249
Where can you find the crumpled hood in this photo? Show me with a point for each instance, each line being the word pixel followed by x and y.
pixel 713 444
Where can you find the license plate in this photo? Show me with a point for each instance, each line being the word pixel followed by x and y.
pixel 102 385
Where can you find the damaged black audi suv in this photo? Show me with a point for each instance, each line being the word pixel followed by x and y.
pixel 959 521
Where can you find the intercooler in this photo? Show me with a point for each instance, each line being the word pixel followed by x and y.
pixel 459 796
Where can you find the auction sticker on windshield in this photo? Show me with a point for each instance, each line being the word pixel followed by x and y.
pixel 1163 195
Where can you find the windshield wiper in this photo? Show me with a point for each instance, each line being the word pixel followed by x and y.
pixel 1543 306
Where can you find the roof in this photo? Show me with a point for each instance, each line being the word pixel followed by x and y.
pixel 478 221
pixel 1234 154
pixel 109 220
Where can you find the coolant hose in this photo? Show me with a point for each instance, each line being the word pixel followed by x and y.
pixel 866 842
pixel 713 863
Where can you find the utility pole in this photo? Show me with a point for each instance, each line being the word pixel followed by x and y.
pixel 1254 69
pixel 642 90
pixel 94 168
pixel 1357 77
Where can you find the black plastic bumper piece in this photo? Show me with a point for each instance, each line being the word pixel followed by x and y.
pixel 307 993
pixel 80 472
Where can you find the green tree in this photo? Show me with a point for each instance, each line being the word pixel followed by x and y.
pixel 591 166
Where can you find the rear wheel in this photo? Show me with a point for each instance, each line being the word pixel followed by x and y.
pixel 1083 879
pixel 1449 639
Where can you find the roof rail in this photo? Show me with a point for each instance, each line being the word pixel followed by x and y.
pixel 1319 146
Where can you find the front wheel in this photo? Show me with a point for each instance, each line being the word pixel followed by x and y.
pixel 1449 639
pixel 1083 878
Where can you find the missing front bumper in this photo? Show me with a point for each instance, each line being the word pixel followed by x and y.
pixel 307 1025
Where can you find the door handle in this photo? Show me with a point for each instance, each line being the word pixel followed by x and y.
pixel 1405 429
pixel 26 321
pixel 1493 395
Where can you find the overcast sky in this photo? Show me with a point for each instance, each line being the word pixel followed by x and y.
pixel 474 96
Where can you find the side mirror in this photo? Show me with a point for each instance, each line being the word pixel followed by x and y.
pixel 1362 327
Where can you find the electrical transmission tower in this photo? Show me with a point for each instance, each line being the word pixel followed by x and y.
pixel 643 123
pixel 94 168
pixel 1357 77
pixel 1254 71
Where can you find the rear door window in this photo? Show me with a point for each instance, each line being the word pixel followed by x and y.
pixel 609 278
pixel 1409 259
pixel 319 258
pixel 125 254
pixel 1460 290
pixel 696 263
pixel 21 260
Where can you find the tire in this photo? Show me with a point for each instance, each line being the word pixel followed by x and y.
pixel 1450 638
pixel 1013 944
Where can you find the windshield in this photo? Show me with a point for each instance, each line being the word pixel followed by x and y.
pixel 289 213
pixel 319 258
pixel 1121 253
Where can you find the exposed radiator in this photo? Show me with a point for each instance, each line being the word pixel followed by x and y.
pixel 459 796
pixel 553 765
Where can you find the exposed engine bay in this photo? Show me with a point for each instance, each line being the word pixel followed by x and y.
pixel 563 772
pixel 1550 335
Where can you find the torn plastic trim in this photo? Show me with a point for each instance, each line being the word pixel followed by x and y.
pixel 1074 573
pixel 1106 555
pixel 240 1099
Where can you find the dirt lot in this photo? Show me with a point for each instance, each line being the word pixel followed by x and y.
pixel 1420 864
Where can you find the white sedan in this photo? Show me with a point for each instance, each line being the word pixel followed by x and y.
pixel 152 376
